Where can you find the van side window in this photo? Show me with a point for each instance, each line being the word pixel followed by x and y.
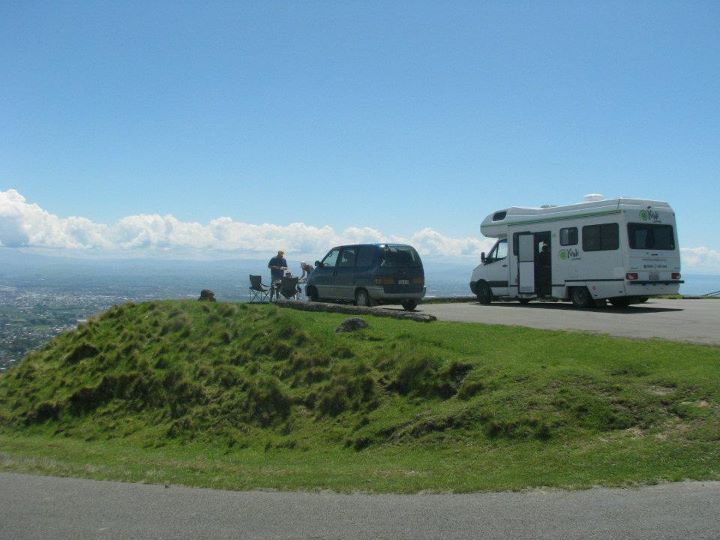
pixel 603 237
pixel 365 256
pixel 331 258
pixel 499 251
pixel 569 236
pixel 347 257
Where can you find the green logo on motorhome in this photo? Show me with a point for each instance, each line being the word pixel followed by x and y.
pixel 649 215
pixel 570 253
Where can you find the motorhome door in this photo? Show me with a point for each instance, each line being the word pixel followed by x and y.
pixel 526 263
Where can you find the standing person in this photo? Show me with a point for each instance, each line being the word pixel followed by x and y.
pixel 277 266
pixel 306 269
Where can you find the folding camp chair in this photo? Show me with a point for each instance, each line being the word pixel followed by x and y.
pixel 289 287
pixel 258 291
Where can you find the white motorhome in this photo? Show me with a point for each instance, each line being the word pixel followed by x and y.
pixel 623 250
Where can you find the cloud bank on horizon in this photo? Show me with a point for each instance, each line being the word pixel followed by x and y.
pixel 27 225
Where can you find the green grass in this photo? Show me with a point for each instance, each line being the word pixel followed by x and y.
pixel 240 396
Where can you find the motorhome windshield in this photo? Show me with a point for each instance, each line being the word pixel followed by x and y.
pixel 647 236
pixel 395 256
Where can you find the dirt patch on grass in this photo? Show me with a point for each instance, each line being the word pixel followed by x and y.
pixel 659 390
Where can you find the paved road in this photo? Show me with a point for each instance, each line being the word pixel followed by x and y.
pixel 682 320
pixel 58 508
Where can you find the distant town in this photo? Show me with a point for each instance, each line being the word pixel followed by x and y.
pixel 30 318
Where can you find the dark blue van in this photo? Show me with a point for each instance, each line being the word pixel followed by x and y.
pixel 369 274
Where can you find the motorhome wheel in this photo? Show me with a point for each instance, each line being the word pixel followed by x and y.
pixel 484 293
pixel 581 298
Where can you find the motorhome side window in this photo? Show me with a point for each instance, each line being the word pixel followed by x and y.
pixel 499 251
pixel 569 236
pixel 647 236
pixel 603 237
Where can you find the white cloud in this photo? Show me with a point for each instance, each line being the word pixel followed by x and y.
pixel 27 225
pixel 701 258
pixel 23 224
pixel 428 241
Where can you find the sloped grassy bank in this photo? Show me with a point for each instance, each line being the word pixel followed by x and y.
pixel 243 396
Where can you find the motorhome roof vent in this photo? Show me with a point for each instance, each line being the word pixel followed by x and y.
pixel 593 197
pixel 548 206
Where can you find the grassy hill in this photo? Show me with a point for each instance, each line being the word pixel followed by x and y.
pixel 238 396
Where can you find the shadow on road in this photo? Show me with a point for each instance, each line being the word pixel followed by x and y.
pixel 561 306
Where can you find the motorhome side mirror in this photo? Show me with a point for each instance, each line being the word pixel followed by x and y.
pixel 482 257
pixel 318 263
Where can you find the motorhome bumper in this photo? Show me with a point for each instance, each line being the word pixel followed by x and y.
pixel 668 282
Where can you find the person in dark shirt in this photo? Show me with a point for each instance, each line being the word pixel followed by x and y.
pixel 277 266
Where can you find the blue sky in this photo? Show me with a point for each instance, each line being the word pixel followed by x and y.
pixel 397 116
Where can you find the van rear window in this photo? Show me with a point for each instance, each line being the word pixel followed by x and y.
pixel 647 236
pixel 396 256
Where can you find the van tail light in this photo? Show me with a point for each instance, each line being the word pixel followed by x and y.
pixel 418 281
pixel 631 276
pixel 385 280
pixel 675 275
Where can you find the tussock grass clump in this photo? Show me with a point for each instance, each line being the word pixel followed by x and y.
pixel 428 377
pixel 81 352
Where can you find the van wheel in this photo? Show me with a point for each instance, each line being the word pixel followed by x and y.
pixel 484 294
pixel 312 294
pixel 620 302
pixel 581 298
pixel 362 298
pixel 409 305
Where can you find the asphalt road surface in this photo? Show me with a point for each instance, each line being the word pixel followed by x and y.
pixel 59 508
pixel 696 321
